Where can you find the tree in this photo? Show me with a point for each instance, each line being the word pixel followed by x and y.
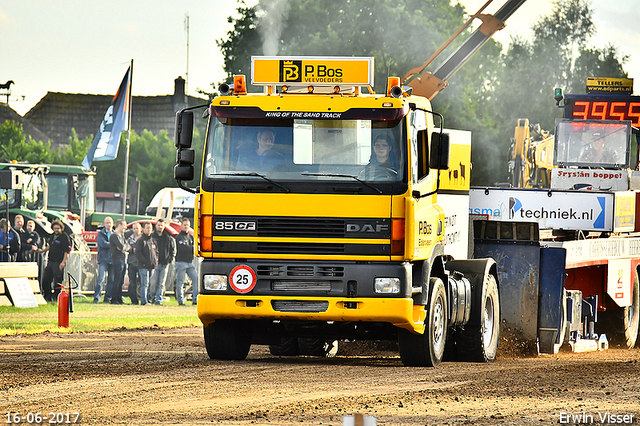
pixel 74 153
pixel 15 146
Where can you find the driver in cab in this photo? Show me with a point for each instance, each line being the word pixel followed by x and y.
pixel 264 157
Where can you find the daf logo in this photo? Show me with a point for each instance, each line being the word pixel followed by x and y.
pixel 353 227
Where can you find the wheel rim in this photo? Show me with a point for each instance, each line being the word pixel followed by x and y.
pixel 487 332
pixel 438 325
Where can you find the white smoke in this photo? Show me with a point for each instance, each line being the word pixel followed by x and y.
pixel 273 14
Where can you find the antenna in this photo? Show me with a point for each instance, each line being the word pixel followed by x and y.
pixel 186 27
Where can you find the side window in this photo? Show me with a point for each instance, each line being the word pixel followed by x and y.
pixel 418 121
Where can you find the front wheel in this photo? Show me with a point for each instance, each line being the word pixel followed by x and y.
pixel 227 339
pixel 478 340
pixel 427 350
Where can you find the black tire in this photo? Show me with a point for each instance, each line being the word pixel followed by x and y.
pixel 621 325
pixel 478 340
pixel 287 347
pixel 227 339
pixel 317 347
pixel 427 349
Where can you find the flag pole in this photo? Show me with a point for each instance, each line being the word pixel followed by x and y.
pixel 126 158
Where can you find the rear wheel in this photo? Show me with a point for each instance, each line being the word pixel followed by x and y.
pixel 317 347
pixel 287 347
pixel 227 339
pixel 621 325
pixel 478 340
pixel 427 349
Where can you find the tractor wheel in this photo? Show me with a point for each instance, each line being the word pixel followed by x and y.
pixel 621 325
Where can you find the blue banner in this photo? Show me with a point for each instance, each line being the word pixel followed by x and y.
pixel 106 142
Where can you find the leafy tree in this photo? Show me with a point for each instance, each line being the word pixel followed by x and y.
pixel 74 153
pixel 14 145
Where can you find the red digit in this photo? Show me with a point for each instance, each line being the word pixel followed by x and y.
pixel 634 113
pixel 617 115
pixel 585 109
pixel 599 110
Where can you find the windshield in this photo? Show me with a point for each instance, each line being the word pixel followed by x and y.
pixel 33 191
pixel 306 149
pixel 592 143
pixel 58 192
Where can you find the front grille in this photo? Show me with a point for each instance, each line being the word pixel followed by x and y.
pixel 303 248
pixel 306 286
pixel 307 306
pixel 301 228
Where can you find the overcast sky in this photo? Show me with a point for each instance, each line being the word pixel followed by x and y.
pixel 79 46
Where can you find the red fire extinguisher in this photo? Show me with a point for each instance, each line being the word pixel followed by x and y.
pixel 63 307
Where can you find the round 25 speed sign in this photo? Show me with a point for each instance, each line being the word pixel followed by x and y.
pixel 242 279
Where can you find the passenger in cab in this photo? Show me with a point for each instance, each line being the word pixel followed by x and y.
pixel 381 165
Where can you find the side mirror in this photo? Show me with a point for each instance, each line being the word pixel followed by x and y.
pixel 184 129
pixel 439 156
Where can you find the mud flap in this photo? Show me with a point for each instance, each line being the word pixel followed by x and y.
pixel 551 315
pixel 518 268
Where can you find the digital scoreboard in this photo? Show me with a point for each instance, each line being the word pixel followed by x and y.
pixel 603 107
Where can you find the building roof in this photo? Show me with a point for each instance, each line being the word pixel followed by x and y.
pixel 57 113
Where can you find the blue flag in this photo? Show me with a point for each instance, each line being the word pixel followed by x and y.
pixel 106 142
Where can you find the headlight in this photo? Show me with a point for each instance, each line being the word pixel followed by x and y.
pixel 387 285
pixel 214 282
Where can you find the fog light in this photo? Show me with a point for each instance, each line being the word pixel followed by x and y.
pixel 387 285
pixel 214 282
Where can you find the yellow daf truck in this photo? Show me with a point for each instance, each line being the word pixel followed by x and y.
pixel 326 211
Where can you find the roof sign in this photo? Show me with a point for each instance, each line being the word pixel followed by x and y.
pixel 312 70
pixel 609 85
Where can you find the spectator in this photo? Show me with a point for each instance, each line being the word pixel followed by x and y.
pixel 184 263
pixel 132 263
pixel 24 249
pixel 29 239
pixel 166 253
pixel 147 255
pixel 119 249
pixel 59 248
pixel 9 241
pixel 105 267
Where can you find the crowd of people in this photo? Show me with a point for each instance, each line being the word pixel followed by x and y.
pixel 145 256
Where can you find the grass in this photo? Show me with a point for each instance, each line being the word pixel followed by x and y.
pixel 88 317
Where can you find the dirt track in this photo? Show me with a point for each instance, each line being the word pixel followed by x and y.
pixel 165 377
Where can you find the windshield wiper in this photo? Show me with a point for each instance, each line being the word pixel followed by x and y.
pixel 284 188
pixel 347 176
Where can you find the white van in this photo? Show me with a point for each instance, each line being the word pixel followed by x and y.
pixel 180 202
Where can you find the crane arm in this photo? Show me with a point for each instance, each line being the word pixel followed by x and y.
pixel 430 84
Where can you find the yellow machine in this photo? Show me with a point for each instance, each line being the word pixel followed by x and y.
pixel 337 229
pixel 531 155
